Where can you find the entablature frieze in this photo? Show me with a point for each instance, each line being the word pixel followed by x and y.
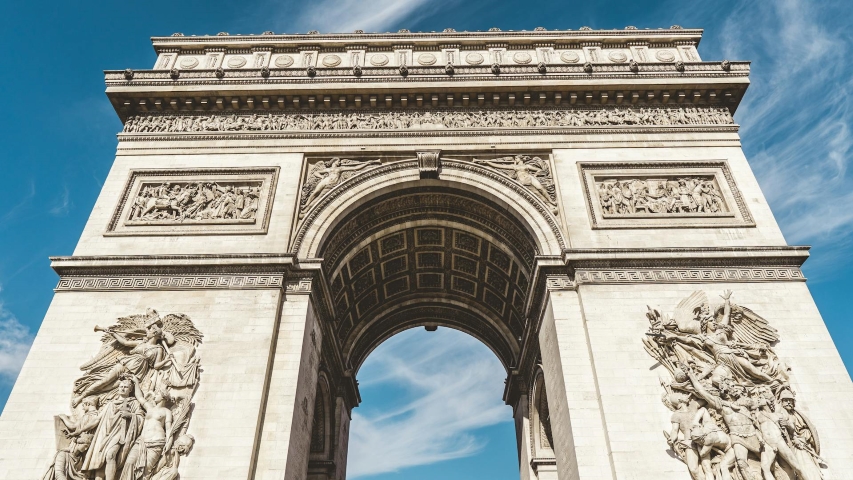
pixel 269 88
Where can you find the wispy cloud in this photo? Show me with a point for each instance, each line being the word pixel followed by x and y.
pixel 62 205
pixel 797 117
pixel 18 208
pixel 15 341
pixel 454 387
pixel 336 16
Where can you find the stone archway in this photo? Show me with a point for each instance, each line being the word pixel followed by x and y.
pixel 399 251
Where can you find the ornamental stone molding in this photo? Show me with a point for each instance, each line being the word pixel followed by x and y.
pixel 429 119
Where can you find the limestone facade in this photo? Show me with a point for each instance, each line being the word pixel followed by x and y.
pixel 301 198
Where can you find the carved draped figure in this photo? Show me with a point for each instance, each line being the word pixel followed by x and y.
pixel 114 431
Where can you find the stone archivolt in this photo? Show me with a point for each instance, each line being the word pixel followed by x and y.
pixel 428 119
pixel 734 408
pixel 132 406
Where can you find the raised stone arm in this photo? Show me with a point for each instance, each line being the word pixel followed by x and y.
pixel 124 340
pixel 360 165
pixel 727 308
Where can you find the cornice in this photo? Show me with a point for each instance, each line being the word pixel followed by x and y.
pixel 388 38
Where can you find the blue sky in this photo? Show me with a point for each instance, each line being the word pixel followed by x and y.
pixel 58 143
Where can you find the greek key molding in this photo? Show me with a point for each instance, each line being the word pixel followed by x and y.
pixel 163 282
pixel 687 275
pixel 299 286
pixel 559 282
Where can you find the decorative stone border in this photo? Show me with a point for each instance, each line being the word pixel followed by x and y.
pixel 691 275
pixel 263 179
pixel 171 282
pixel 734 213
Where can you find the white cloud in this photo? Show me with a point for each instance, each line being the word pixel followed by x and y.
pixel 15 341
pixel 62 205
pixel 796 118
pixel 454 385
pixel 329 16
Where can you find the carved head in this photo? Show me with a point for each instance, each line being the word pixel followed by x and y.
pixel 90 404
pixel 82 443
pixel 336 162
pixel 184 444
pixel 125 386
pixel 786 398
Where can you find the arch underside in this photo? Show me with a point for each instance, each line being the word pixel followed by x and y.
pixel 428 255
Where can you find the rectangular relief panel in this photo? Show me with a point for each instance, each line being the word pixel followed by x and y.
pixel 687 194
pixel 213 201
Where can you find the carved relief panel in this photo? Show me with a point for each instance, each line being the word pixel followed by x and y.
pixel 195 202
pixel 131 408
pixel 662 194
pixel 734 409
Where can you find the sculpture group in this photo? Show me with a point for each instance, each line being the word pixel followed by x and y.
pixel 735 413
pixel 531 172
pixel 427 119
pixel 650 196
pixel 195 201
pixel 132 406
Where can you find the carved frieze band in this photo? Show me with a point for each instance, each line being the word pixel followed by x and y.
pixel 172 282
pixel 195 202
pixel 433 119
pixel 688 275
pixel 662 195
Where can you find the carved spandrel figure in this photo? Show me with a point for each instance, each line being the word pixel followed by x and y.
pixel 323 177
pixel 526 171
pixel 120 423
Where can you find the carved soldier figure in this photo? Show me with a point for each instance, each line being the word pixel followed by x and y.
pixel 66 463
pixel 803 437
pixel 735 407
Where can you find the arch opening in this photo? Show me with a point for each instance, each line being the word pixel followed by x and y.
pixel 428 256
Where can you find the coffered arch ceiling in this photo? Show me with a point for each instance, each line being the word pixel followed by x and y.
pixel 428 256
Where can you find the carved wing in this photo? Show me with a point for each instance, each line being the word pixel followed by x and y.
pixel 111 350
pixel 684 311
pixel 346 175
pixel 181 417
pixel 749 327
pixel 544 175
pixel 182 328
pixel 311 180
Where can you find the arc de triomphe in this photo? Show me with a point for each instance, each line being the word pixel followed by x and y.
pixel 579 201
